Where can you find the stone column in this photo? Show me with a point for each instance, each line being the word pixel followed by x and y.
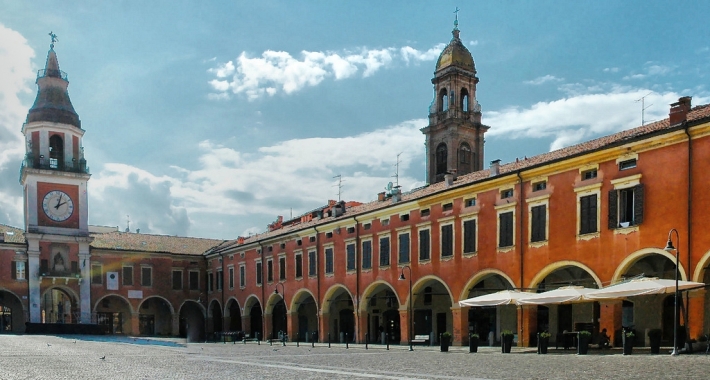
pixel 135 322
pixel 176 325
pixel 696 313
pixel 292 326
pixel 268 326
pixel 404 326
pixel 85 286
pixel 527 324
pixel 324 328
pixel 460 325
pixel 610 318
pixel 246 324
pixel 34 282
pixel 362 327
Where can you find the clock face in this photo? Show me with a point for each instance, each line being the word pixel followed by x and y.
pixel 58 205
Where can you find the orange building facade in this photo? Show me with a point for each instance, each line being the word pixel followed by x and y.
pixel 395 269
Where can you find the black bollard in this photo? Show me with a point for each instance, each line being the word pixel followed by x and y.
pixel 258 341
pixel 367 338
pixel 297 340
pixel 283 339
pixel 271 341
pixel 328 340
pixel 387 339
pixel 346 341
pixel 313 340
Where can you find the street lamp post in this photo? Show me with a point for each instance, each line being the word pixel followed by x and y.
pixel 283 297
pixel 669 248
pixel 409 306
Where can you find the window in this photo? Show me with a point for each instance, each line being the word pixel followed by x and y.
pixel 537 186
pixel 194 280
pixel 127 276
pixel 367 226
pixel 588 214
pixel 448 207
pixel 441 157
pixel 269 270
pixel 404 217
pixel 403 248
pixel 282 268
pixel 425 212
pixel 505 229
pixel 219 280
pixel 366 254
pixel 427 295
pixel 231 277
pixel 312 239
pixel 242 276
pixel 299 242
pixel 470 202
pixel 269 248
pixel 210 281
pixel 299 265
pixel 259 273
pixel 328 235
pixel 469 236
pixel 18 270
pixel 146 276
pixel 350 256
pixel 283 245
pixel 177 279
pixel 329 260
pixel 312 263
pixel 351 230
pixel 384 251
pixel 589 174
pixel 506 194
pixel 628 164
pixel 538 227
pixel 385 222
pixel 626 207
pixel 447 240
pixel 96 274
pixel 424 245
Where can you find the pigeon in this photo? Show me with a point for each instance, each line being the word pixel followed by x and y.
pixel 276 349
pixel 103 357
pixel 74 341
pixel 49 345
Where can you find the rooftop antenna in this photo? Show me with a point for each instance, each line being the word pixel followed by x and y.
pixel 644 107
pixel 128 223
pixel 339 185
pixel 396 171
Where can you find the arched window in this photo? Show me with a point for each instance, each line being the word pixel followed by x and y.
pixel 441 155
pixel 464 100
pixel 443 100
pixel 465 157
pixel 56 152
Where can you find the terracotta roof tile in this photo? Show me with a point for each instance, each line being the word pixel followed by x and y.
pixel 696 114
pixel 9 234
pixel 128 241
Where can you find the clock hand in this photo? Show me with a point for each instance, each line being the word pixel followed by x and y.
pixel 58 202
pixel 60 205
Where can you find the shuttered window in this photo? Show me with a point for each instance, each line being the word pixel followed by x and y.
pixel 403 248
pixel 366 254
pixel 539 223
pixel 505 229
pixel 177 279
pixel 350 253
pixel 312 265
pixel 128 276
pixel 469 236
pixel 447 240
pixel 384 251
pixel 424 245
pixel 588 214
pixel 329 260
pixel 626 207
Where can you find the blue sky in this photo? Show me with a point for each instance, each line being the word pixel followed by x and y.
pixel 209 119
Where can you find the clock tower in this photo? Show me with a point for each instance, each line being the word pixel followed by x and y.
pixel 454 136
pixel 54 176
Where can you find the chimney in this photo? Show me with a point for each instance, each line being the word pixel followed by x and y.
pixel 240 240
pixel 495 168
pixel 381 196
pixel 679 110
pixel 449 179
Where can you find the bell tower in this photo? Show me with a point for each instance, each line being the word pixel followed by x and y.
pixel 54 176
pixel 454 136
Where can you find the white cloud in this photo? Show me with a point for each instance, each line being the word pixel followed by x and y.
pixel 16 77
pixel 279 71
pixel 473 43
pixel 543 79
pixel 611 69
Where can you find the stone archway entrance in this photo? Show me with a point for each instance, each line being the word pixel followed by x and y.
pixel 256 321
pixel 382 313
pixel 155 317
pixel 192 321
pixel 234 315
pixel 488 322
pixel 214 317
pixel 114 314
pixel 431 309
pixel 306 316
pixel 339 310
pixel 12 316
pixel 59 306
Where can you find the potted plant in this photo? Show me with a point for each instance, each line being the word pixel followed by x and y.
pixel 654 337
pixel 473 342
pixel 543 340
pixel 583 338
pixel 445 341
pixel 506 341
pixel 627 336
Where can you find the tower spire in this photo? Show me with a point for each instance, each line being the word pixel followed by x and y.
pixel 54 39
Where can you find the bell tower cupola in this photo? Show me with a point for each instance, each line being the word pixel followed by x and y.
pixel 454 136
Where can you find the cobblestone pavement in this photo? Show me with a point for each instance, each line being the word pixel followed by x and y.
pixel 69 357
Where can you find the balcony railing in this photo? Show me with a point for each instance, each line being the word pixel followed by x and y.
pixel 52 73
pixel 73 166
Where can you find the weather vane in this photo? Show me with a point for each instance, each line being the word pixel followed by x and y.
pixel 54 39
pixel 456 21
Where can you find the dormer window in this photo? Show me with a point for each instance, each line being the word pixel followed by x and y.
pixel 470 202
pixel 627 164
pixel 542 185
pixel 506 194
pixel 589 174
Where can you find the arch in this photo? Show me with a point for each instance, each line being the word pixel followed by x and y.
pixel 298 297
pixel 424 280
pixel 443 100
pixel 170 305
pixel 700 268
pixel 544 272
pixel 249 303
pixel 233 314
pixel 12 312
pixel 272 301
pixel 481 275
pixel 56 152
pixel 465 158
pixel 6 290
pixel 442 154
pixel 333 292
pixel 124 299
pixel 631 259
pixel 465 103
pixel 226 311
pixel 211 306
pixel 374 287
pixel 192 320
pixel 65 289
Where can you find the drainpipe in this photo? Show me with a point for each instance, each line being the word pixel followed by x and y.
pixel 521 234
pixel 318 304
pixel 357 275
pixel 221 257
pixel 263 289
pixel 689 229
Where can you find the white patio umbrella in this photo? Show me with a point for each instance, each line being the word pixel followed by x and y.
pixel 504 297
pixel 641 287
pixel 565 294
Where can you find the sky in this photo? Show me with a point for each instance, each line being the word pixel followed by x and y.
pixel 212 118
